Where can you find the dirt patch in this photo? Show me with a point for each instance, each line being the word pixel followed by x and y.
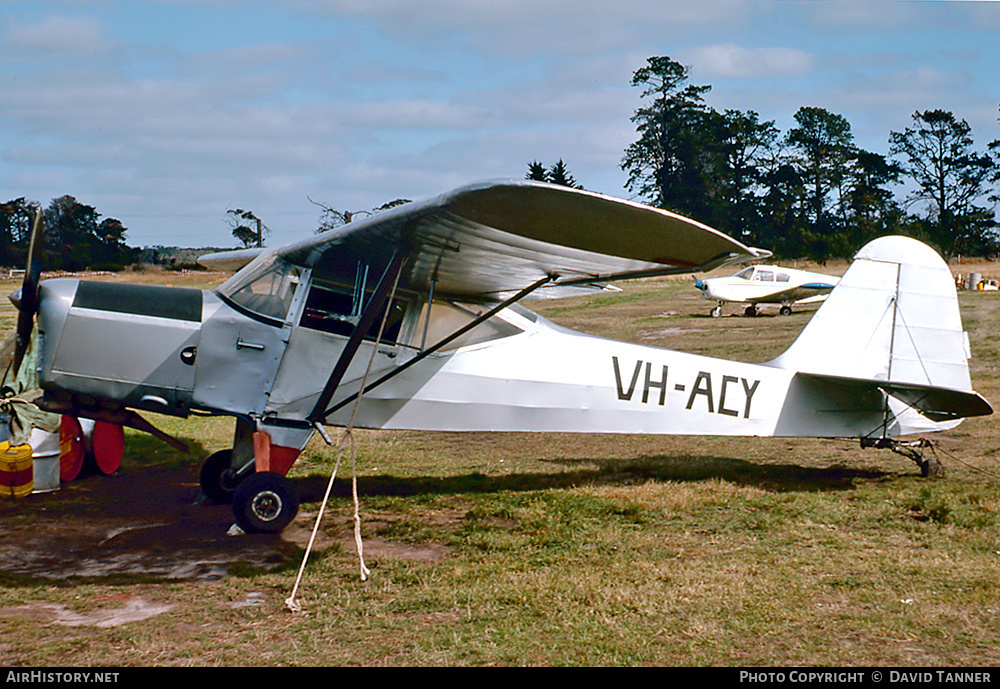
pixel 138 523
pixel 144 523
pixel 131 610
pixel 340 533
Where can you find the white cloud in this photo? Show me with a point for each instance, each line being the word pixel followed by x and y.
pixel 57 34
pixel 728 60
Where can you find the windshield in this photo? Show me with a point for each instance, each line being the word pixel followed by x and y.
pixel 265 288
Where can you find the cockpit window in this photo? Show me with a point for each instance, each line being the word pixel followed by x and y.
pixel 745 273
pixel 334 309
pixel 265 289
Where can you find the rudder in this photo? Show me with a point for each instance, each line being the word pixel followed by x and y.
pixel 894 317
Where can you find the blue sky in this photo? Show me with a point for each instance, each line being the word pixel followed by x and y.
pixel 166 114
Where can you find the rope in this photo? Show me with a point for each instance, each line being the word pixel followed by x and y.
pixel 969 466
pixel 346 438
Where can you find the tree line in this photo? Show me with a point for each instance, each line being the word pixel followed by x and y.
pixel 810 192
pixel 75 236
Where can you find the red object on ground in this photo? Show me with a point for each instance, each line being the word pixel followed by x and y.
pixel 109 446
pixel 71 448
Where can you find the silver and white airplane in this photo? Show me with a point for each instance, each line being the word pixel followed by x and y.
pixel 412 320
pixel 755 285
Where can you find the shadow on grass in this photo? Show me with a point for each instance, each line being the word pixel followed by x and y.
pixel 149 521
pixel 772 477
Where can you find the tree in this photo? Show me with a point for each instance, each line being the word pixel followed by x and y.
pixel 76 238
pixel 871 206
pixel 825 145
pixel 331 218
pixel 784 225
pixel 15 229
pixel 937 153
pixel 247 228
pixel 537 172
pixel 557 174
pixel 664 165
pixel 744 148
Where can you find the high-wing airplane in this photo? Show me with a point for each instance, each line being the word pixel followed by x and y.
pixel 755 285
pixel 412 320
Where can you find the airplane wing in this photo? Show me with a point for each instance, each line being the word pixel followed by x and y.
pixel 794 294
pixel 489 240
pixel 229 260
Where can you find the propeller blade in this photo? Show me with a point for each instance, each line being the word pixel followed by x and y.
pixel 27 303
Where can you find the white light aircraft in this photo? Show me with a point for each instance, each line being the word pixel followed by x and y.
pixel 755 285
pixel 412 320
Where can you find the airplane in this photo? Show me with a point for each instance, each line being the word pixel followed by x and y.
pixel 413 319
pixel 765 284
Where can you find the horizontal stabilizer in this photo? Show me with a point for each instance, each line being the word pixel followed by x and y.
pixel 937 404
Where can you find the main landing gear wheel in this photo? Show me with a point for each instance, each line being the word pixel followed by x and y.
pixel 785 311
pixel 751 311
pixel 217 480
pixel 265 503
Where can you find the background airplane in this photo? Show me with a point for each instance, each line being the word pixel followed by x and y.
pixel 755 285
pixel 411 320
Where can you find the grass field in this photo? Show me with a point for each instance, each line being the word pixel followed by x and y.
pixel 537 550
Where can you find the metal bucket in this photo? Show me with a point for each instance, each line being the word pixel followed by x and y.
pixel 45 460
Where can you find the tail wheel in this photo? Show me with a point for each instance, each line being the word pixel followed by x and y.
pixel 265 503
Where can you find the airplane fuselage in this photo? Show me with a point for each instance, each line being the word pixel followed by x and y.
pixel 175 351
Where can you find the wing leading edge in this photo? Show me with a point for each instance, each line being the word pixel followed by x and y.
pixel 489 240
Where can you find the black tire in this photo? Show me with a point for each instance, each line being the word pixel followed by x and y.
pixel 785 311
pixel 716 312
pixel 265 503
pixel 216 478
pixel 750 311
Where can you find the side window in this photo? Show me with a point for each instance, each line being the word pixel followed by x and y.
pixel 445 318
pixel 783 277
pixel 334 309
pixel 266 289
pixel 765 276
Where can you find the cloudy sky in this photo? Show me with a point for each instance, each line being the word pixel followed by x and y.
pixel 166 114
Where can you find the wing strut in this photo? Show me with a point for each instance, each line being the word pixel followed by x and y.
pixel 321 418
pixel 354 342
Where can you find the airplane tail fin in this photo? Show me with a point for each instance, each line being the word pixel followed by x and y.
pixel 893 322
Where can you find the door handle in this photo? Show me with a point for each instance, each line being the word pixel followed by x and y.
pixel 242 344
